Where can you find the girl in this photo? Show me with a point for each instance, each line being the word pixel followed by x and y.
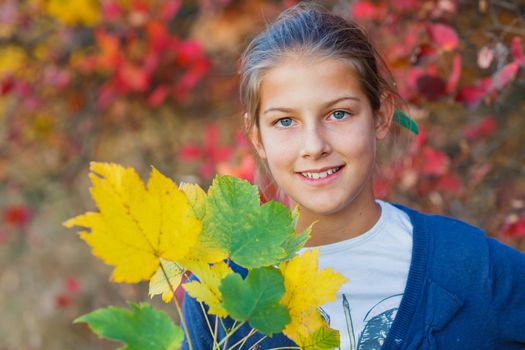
pixel 316 104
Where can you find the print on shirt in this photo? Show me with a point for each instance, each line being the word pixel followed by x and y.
pixel 377 321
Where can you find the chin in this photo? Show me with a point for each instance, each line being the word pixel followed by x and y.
pixel 322 209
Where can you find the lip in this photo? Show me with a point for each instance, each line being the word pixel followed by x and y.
pixel 323 181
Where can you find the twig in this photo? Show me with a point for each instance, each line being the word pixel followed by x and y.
pixel 243 340
pixel 230 333
pixel 254 346
pixel 177 306
pixel 206 317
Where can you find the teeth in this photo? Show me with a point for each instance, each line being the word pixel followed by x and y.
pixel 321 174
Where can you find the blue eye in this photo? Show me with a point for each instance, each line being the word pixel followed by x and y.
pixel 284 122
pixel 339 114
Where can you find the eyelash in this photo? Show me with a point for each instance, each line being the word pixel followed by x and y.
pixel 340 110
pixel 278 121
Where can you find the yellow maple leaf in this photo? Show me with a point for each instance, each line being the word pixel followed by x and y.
pixel 306 289
pixel 207 288
pixel 196 197
pixel 69 12
pixel 207 247
pixel 166 279
pixel 137 226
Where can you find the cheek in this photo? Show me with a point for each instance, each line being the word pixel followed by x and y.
pixel 354 142
pixel 280 152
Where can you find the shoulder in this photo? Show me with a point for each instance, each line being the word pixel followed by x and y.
pixel 449 247
pixel 454 244
pixel 441 229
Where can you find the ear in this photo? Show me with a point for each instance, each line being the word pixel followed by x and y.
pixel 384 117
pixel 255 137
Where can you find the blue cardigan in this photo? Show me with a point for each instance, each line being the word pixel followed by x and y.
pixel 464 291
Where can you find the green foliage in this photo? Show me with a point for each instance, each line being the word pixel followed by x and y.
pixel 253 235
pixel 256 299
pixel 323 338
pixel 141 328
pixel 405 121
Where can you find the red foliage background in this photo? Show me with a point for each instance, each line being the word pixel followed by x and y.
pixel 150 82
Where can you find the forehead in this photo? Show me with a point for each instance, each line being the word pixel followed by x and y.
pixel 309 80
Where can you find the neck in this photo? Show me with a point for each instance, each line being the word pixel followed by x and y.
pixel 357 218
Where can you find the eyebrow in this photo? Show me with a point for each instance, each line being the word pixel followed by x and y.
pixel 326 105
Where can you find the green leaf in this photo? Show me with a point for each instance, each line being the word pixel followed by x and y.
pixel 253 235
pixel 322 339
pixel 405 121
pixel 256 299
pixel 140 328
pixel 296 242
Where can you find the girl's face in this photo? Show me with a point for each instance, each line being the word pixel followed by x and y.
pixel 317 133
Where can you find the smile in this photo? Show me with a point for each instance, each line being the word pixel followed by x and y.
pixel 320 174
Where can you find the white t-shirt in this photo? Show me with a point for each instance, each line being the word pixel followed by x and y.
pixel 376 264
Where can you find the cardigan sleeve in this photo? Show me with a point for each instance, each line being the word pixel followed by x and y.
pixel 198 331
pixel 508 292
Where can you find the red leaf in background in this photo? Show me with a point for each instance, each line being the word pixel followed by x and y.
pixel 188 52
pixel 190 79
pixel 431 87
pixel 62 300
pixel 240 140
pixel 246 170
pixel 505 75
pixel 110 10
pixel 485 57
pixel 434 162
pixel 170 9
pixel 514 227
pixel 479 173
pixel 158 95
pixel 7 86
pixel 422 53
pixel 16 215
pixel 72 284
pixel 131 77
pixel 382 187
pixel 481 129
pixel 189 152
pixel 213 150
pixel 406 5
pixel 453 79
pixel 158 36
pixel 471 96
pixel 450 183
pixel 110 56
pixel 443 36
pixel 517 51
pixel 210 153
pixel 106 95
pixel 366 10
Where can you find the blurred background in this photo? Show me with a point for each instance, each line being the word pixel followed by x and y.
pixel 151 82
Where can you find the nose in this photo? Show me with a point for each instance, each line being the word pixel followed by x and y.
pixel 315 144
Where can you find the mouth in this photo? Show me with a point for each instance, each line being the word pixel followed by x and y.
pixel 320 173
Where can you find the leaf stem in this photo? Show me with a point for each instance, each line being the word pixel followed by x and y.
pixel 177 306
pixel 206 317
pixel 216 334
pixel 254 346
pixel 243 340
pixel 230 333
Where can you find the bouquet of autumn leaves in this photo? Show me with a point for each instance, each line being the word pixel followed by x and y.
pixel 162 232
